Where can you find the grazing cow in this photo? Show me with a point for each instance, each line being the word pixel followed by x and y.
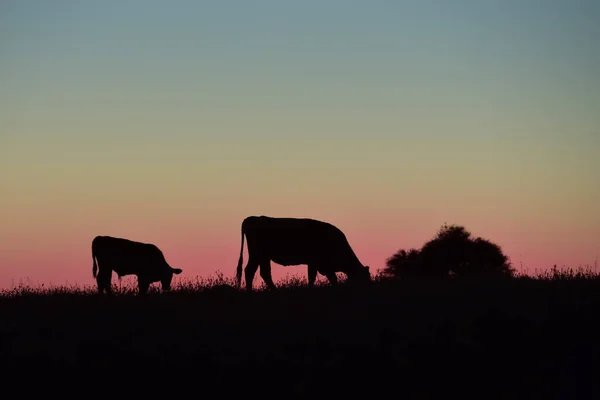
pixel 127 257
pixel 295 241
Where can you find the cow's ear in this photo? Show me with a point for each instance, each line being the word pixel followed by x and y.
pixel 177 271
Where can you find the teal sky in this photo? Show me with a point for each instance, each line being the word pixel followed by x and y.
pixel 519 61
pixel 405 113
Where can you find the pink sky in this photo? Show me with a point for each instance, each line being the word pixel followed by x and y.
pixel 201 248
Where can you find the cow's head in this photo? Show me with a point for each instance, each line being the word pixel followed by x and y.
pixel 360 275
pixel 166 280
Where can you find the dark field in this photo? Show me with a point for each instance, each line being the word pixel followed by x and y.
pixel 522 337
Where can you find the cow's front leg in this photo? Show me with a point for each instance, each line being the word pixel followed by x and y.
pixel 332 277
pixel 312 275
pixel 143 286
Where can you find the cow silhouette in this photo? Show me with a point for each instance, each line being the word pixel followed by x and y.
pixel 127 257
pixel 296 241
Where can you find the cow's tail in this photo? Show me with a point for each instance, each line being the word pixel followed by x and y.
pixel 238 275
pixel 95 266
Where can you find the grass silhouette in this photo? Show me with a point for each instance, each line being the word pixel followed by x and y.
pixel 528 335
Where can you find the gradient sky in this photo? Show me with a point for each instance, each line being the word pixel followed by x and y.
pixel 170 121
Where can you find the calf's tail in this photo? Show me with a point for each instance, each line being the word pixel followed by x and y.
pixel 238 275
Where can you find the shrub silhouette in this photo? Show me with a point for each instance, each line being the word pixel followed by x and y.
pixel 403 264
pixel 452 252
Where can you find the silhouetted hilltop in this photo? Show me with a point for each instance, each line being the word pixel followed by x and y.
pixel 526 336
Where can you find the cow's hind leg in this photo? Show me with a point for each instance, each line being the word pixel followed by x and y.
pixel 265 273
pixel 249 272
pixel 103 280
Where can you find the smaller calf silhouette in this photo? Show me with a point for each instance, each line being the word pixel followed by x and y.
pixel 127 257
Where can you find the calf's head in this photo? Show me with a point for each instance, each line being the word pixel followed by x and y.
pixel 168 276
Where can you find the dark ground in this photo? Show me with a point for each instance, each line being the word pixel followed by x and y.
pixel 520 338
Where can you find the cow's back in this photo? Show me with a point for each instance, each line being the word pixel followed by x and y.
pixel 292 241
